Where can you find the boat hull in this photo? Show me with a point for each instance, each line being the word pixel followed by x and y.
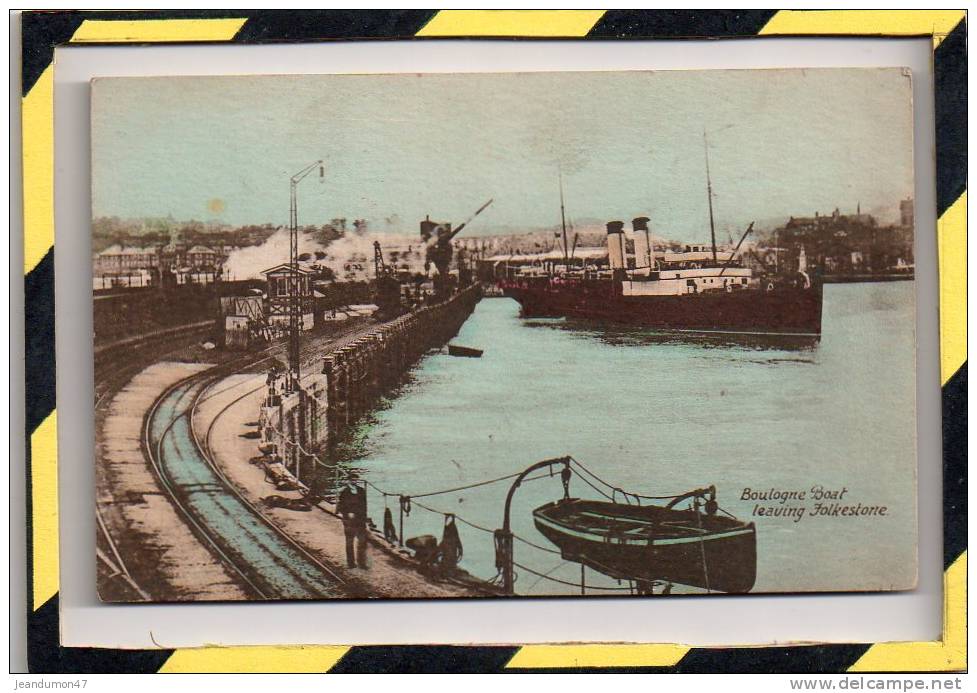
pixel 719 557
pixel 463 351
pixel 786 311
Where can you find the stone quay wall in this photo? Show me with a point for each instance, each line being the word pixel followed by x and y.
pixel 354 377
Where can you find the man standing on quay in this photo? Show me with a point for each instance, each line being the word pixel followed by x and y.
pixel 351 507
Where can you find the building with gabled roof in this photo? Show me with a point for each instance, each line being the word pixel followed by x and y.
pixel 202 256
pixel 281 280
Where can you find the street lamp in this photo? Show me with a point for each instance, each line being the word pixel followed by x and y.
pixel 294 283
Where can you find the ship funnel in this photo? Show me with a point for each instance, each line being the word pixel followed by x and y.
pixel 615 245
pixel 644 259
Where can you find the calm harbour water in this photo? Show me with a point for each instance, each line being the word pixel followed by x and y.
pixel 658 416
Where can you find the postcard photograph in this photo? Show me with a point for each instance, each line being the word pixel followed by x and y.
pixel 416 336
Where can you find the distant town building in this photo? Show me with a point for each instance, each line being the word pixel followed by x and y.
pixel 845 243
pixel 200 256
pixel 907 215
pixel 172 256
pixel 835 219
pixel 119 259
pixel 137 266
pixel 118 266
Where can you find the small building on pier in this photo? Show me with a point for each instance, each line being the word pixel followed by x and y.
pixel 282 281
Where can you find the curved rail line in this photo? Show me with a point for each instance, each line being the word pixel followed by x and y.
pixel 271 564
pixel 114 563
pixel 205 448
pixel 195 526
pixel 112 558
pixel 109 379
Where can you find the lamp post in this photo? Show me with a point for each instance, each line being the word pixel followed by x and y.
pixel 295 309
pixel 294 282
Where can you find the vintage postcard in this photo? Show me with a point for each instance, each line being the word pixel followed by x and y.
pixel 504 335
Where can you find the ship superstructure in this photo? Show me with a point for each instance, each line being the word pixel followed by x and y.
pixel 699 288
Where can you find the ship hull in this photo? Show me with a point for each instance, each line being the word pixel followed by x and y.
pixel 788 312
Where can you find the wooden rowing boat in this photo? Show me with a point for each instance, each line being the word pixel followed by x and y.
pixel 653 543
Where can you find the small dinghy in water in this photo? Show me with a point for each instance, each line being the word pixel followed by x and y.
pixel 467 352
pixel 654 543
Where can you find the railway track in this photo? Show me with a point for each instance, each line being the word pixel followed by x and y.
pixel 111 565
pixel 268 562
pixel 204 444
pixel 115 365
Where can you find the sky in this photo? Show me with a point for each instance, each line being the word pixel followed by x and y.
pixel 781 143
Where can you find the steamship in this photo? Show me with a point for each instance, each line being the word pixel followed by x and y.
pixel 699 290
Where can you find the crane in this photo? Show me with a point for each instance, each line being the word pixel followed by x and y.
pixel 387 289
pixel 437 238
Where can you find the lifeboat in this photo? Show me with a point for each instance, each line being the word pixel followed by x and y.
pixel 653 544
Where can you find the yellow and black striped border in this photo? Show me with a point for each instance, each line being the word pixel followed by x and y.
pixel 43 31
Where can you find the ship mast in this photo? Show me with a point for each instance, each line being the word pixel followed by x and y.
pixel 712 223
pixel 563 222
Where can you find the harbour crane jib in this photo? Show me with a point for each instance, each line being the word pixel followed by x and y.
pixel 437 238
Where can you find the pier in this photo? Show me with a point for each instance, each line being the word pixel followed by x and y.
pixel 183 434
pixel 319 412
